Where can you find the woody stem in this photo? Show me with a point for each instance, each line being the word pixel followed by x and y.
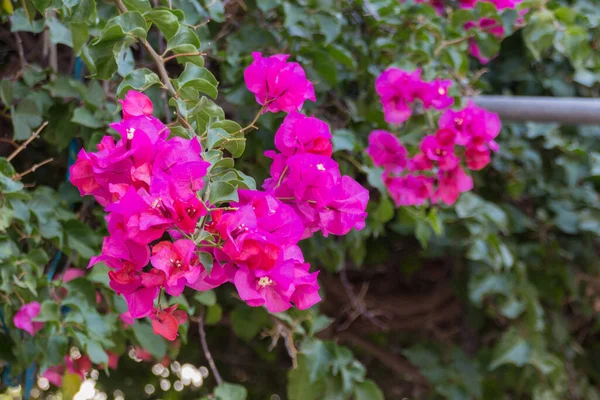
pixel 205 349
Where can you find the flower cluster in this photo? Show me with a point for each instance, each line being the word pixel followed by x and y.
pixel 492 27
pixel 278 85
pixel 304 175
pixel 149 185
pixel 499 4
pixel 399 89
pixel 435 172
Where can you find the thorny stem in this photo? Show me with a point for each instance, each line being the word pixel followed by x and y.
pixel 26 143
pixel 158 60
pixel 207 354
pixel 32 169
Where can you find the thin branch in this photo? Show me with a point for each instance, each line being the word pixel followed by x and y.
pixel 195 53
pixel 20 50
pixel 158 60
pixel 26 143
pixel 447 43
pixel 207 354
pixel 32 169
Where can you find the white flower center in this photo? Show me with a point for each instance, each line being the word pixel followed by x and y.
pixel 265 281
pixel 130 132
pixel 320 167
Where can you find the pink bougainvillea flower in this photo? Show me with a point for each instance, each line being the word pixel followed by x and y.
pixel 451 184
pixel 477 158
pixel 435 151
pixel 302 134
pixel 24 318
pixel 278 85
pixel 410 190
pixel 272 288
pixel 347 209
pixel 179 262
pixel 273 216
pixel 312 178
pixel 386 150
pixel 166 322
pixel 435 94
pixel 420 162
pixel 254 250
pixel 473 126
pixel 127 318
pixel 136 104
pixel 397 90
pixel 306 287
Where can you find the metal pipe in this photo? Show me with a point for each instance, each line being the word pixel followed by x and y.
pixel 565 110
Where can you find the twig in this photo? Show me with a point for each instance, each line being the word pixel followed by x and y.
pixel 158 60
pixel 396 363
pixel 32 169
pixel 195 53
pixel 448 43
pixel 20 50
pixel 24 145
pixel 358 306
pixel 207 354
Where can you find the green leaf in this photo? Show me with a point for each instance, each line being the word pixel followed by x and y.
pixel 79 35
pixel 266 5
pixel 138 5
pixel 230 391
pixel 247 322
pixel 26 117
pixel 165 20
pixel 208 298
pixel 206 259
pixel 214 314
pixel 368 390
pixel 385 211
pixel 6 216
pixel 511 349
pixel 84 117
pixel 130 24
pixel 124 59
pixel 58 32
pixel 20 23
pixel 343 140
pixel 195 79
pixel 423 233
pixel 49 312
pixel 329 25
pixel 299 385
pixel 82 239
pixel 57 348
pixel 222 192
pixel 81 11
pixel 236 142
pixel 318 358
pixel 148 340
pixel 6 92
pixel 140 80
pixel 7 185
pixel 96 353
pixel 186 41
pixel 216 9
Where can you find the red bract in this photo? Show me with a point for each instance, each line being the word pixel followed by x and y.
pixel 179 263
pixel 166 322
pixel 278 85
